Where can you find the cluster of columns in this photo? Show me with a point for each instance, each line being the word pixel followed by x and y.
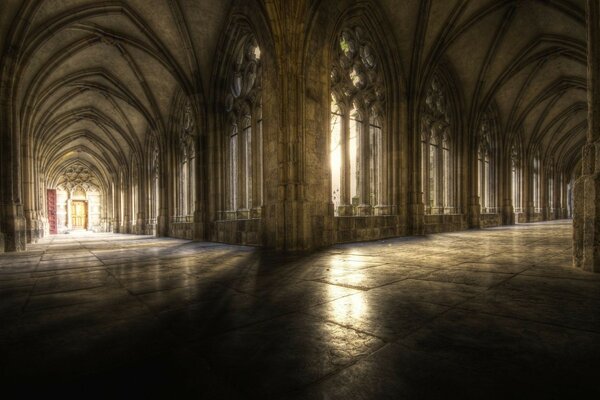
pixel 586 216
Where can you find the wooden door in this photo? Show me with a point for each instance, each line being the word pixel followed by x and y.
pixel 51 205
pixel 79 214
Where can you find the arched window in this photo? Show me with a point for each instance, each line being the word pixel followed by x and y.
pixel 436 165
pixel 515 158
pixel 536 184
pixel 122 199
pixel 134 194
pixel 484 171
pixel 356 148
pixel 244 133
pixel 186 167
pixel 551 190
pixel 154 176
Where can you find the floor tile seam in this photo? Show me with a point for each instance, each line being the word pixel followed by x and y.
pixel 315 383
pixel 349 327
pixel 63 305
pixel 474 270
pixel 566 296
pixel 429 321
pixel 67 290
pixel 238 291
pixel 503 282
pixel 255 294
pixel 28 299
pixel 364 288
pixel 535 321
pixel 582 279
pixel 110 273
pixel 522 272
pixel 361 288
pixel 429 279
pixel 485 290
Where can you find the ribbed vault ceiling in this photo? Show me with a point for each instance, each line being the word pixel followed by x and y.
pixel 95 78
pixel 525 57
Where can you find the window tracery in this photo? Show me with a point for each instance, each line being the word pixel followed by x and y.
pixel 484 168
pixel 154 180
pixel 436 167
pixel 244 140
pixel 186 164
pixel 77 177
pixel 516 175
pixel 551 187
pixel 536 183
pixel 356 135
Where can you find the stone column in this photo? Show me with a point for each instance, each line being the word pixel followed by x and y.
pixel 474 205
pixel 586 218
pixel 527 201
pixel 165 188
pixel 345 207
pixel 508 208
pixel 291 220
pixel 364 207
pixel 12 220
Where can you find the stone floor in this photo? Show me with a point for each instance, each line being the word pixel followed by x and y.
pixel 496 313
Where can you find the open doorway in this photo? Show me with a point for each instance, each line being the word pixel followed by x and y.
pixel 79 214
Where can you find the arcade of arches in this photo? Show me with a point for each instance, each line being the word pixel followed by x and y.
pixel 296 124
pixel 187 186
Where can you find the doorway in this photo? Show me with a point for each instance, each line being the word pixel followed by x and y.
pixel 79 214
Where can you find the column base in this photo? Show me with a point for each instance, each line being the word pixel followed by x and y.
pixel 14 228
pixel 586 223
pixel 364 210
pixel 345 211
pixel 474 216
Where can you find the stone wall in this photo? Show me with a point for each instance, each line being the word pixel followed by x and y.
pixel 239 231
pixel 445 223
pixel 182 230
pixel 355 229
pixel 536 217
pixel 490 220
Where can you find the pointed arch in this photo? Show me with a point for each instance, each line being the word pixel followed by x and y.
pixel 440 126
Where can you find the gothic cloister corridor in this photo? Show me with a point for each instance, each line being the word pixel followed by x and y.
pixel 300 199
pixel 492 313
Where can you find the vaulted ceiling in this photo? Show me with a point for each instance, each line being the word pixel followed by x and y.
pixel 95 78
pixel 525 57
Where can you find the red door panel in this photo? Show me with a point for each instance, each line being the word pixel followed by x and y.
pixel 51 197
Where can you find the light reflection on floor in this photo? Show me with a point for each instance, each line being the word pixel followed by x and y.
pixel 477 312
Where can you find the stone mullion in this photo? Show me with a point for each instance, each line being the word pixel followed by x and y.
pixel 128 195
pixel 164 161
pixel 241 169
pixel 116 205
pixel 345 173
pixel 386 160
pixel 364 166
pixel 28 190
pixel 439 169
pixel 226 189
pixel 142 199
pixel 543 191
pixel 527 188
pixel 425 173
pixel 506 178
pixel 255 166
